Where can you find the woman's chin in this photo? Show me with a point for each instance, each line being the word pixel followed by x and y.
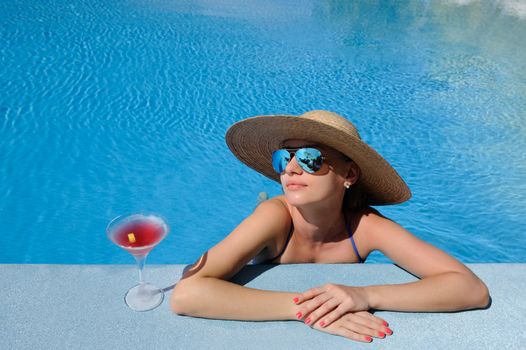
pixel 296 199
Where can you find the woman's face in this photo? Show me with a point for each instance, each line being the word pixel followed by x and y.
pixel 325 185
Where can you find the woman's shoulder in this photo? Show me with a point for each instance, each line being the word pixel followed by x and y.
pixel 276 209
pixel 375 222
pixel 366 216
pixel 366 223
pixel 377 229
pixel 275 214
pixel 278 203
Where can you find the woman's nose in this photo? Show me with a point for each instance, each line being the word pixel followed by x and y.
pixel 293 167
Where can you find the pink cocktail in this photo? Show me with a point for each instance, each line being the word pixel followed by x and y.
pixel 139 237
pixel 139 234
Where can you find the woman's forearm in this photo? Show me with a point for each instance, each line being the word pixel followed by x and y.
pixel 450 291
pixel 219 299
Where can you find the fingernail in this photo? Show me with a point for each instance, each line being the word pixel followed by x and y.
pixel 381 334
pixel 322 324
pixel 296 300
pixel 307 321
pixel 388 331
pixel 369 339
pixel 385 323
pixel 299 314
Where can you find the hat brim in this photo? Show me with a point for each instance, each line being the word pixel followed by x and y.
pixel 253 141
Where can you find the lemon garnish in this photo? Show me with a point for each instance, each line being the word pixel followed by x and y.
pixel 131 237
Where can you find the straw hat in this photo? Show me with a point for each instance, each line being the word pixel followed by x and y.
pixel 254 139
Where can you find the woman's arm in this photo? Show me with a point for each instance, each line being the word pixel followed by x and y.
pixel 204 290
pixel 445 283
pixel 215 298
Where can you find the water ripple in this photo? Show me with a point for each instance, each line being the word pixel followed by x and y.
pixel 109 108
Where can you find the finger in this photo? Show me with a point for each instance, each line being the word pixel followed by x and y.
pixel 356 324
pixel 337 311
pixel 322 309
pixel 379 330
pixel 306 309
pixel 379 323
pixel 375 318
pixel 309 294
pixel 347 333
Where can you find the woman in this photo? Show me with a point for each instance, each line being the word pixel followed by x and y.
pixel 329 178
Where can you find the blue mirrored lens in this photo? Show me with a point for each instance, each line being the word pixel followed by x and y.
pixel 280 159
pixel 309 159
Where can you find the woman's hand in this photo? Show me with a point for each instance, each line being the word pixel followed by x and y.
pixel 330 302
pixel 360 326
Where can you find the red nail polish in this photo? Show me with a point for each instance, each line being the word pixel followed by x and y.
pixel 385 324
pixel 307 321
pixel 381 334
pixel 389 331
pixel 369 339
pixel 296 300
pixel 322 324
pixel 299 314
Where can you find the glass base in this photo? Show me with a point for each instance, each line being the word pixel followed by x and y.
pixel 144 297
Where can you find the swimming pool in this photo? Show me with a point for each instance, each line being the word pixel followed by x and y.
pixel 114 107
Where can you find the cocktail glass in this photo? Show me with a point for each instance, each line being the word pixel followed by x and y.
pixel 139 234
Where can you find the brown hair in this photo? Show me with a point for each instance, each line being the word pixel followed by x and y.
pixel 355 198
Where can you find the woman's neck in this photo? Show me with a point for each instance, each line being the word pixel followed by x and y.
pixel 317 224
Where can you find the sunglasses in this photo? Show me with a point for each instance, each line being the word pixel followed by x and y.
pixel 309 159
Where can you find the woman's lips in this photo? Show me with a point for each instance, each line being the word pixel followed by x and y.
pixel 295 186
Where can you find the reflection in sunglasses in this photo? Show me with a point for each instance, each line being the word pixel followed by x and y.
pixel 309 159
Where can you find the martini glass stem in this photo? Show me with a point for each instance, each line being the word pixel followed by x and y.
pixel 141 259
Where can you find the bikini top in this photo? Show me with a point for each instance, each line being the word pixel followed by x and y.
pixel 351 234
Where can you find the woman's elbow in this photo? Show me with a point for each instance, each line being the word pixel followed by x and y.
pixel 476 294
pixel 179 298
pixel 482 295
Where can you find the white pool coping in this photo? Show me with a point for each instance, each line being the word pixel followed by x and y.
pixel 82 307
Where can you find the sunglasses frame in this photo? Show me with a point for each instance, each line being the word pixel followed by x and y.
pixel 292 153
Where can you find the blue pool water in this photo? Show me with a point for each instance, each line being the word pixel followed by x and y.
pixel 112 107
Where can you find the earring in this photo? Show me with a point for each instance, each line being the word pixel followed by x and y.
pixel 347 184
